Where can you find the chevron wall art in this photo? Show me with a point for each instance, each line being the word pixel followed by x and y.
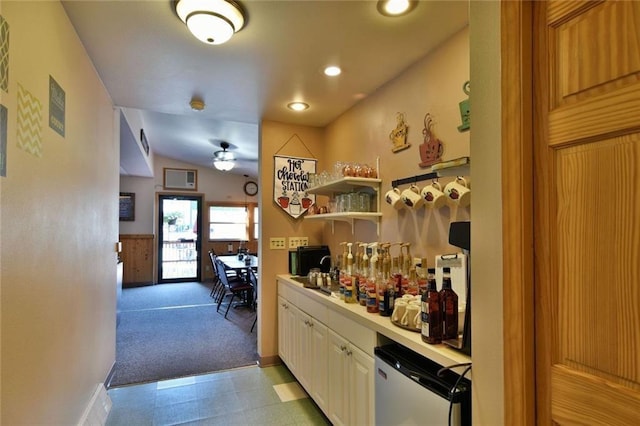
pixel 4 54
pixel 29 122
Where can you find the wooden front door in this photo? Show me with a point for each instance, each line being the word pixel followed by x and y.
pixel 587 211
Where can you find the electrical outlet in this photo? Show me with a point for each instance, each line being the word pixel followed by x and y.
pixel 277 243
pixel 295 242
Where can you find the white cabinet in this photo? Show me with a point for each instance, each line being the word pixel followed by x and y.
pixel 351 381
pixel 302 345
pixel 313 363
pixel 287 336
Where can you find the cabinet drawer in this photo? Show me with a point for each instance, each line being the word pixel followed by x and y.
pixel 286 292
pixel 357 334
pixel 313 308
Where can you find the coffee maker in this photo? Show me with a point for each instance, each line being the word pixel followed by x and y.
pixel 460 236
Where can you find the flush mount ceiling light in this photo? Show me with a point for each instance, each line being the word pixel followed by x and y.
pixel 211 21
pixel 396 7
pixel 224 160
pixel 298 106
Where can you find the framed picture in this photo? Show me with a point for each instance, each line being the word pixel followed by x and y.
pixel 127 206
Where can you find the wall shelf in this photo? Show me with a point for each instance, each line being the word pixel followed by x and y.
pixel 347 184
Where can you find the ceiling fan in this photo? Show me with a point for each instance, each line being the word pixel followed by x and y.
pixel 224 160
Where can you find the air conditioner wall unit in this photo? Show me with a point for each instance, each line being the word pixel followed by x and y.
pixel 183 179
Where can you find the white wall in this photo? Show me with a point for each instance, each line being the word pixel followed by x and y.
pixel 59 228
pixel 213 184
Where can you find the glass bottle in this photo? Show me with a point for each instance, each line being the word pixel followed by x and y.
pixel 431 311
pixel 386 298
pixel 349 281
pixel 423 277
pixel 372 289
pixel 449 303
pixel 362 276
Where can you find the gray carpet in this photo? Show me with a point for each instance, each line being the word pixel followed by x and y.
pixel 173 330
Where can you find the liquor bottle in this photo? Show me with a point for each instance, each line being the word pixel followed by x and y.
pixel 373 281
pixel 386 291
pixel 431 313
pixel 449 303
pixel 423 276
pixel 349 294
pixel 364 272
pixel 343 269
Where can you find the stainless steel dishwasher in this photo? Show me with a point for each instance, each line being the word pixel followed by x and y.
pixel 409 391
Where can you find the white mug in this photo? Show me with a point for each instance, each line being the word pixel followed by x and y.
pixel 411 197
pixel 409 317
pixel 399 310
pixel 458 192
pixel 433 196
pixel 393 198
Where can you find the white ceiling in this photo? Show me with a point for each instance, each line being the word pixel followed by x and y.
pixel 151 64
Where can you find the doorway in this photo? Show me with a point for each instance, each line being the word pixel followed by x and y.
pixel 179 238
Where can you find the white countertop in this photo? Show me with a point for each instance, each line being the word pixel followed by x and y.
pixel 442 354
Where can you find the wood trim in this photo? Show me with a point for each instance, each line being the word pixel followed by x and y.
pixel 136 236
pixel 517 213
pixel 543 215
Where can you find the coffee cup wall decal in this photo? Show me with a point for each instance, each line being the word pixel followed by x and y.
pixel 432 148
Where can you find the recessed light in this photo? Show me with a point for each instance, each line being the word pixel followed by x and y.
pixel 332 71
pixel 396 7
pixel 298 106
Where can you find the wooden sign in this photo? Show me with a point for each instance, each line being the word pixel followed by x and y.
pixel 291 182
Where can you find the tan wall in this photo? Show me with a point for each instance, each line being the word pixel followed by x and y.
pixel 59 228
pixel 486 223
pixel 432 85
pixel 275 222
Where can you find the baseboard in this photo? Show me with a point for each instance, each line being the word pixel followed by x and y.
pixel 98 408
pixel 112 373
pixel 268 361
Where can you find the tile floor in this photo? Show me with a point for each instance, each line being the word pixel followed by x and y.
pixel 243 396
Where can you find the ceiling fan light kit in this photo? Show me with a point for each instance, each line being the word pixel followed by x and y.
pixel 211 21
pixel 224 160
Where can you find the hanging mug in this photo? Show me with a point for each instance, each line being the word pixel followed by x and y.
pixel 411 197
pixel 393 198
pixel 458 192
pixel 433 196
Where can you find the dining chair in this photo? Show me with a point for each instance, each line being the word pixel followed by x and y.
pixel 235 287
pixel 217 286
pixel 253 280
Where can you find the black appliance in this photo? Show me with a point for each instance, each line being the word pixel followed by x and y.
pixel 460 236
pixel 304 258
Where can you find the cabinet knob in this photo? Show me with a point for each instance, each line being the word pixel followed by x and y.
pixel 310 324
pixel 343 348
pixel 349 353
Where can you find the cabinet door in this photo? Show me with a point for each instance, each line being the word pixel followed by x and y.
pixel 361 381
pixel 319 365
pixel 293 338
pixel 283 331
pixel 338 380
pixel 305 365
pixel 137 255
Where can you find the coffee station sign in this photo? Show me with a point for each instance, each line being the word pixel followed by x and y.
pixel 291 183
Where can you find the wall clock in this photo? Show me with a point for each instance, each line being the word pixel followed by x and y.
pixel 251 188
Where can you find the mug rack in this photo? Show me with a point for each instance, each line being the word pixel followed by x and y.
pixel 457 167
